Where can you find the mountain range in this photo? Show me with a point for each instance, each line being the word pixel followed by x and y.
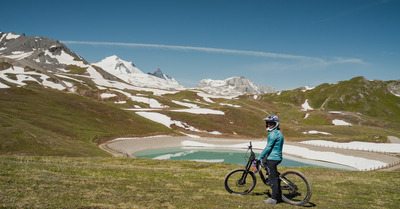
pixel 52 98
pixel 50 55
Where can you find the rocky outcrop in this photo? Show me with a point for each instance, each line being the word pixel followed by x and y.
pixel 233 86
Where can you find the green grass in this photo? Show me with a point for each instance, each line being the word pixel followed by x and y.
pixel 59 182
pixel 76 69
pixel 41 121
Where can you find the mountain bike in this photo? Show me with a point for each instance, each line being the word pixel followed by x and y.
pixel 295 188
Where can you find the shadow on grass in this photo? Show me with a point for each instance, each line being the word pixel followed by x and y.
pixel 268 193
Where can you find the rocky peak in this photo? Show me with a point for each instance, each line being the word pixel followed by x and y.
pixel 43 53
pixel 158 73
pixel 233 86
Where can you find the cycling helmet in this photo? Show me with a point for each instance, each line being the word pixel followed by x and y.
pixel 272 119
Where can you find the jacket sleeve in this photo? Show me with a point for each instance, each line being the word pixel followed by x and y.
pixel 270 144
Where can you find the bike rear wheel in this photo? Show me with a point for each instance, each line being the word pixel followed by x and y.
pixel 295 188
pixel 238 182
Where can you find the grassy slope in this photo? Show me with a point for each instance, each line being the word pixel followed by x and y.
pixel 41 121
pixel 57 182
pixel 368 105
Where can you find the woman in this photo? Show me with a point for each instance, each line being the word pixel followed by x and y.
pixel 272 155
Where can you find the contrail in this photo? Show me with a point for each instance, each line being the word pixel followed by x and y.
pixel 214 50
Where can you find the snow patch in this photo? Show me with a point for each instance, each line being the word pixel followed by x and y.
pixel 365 146
pixel 338 122
pixel 23 76
pixel 150 101
pixel 18 55
pixel 169 156
pixel 107 95
pixel 200 111
pixel 3 86
pixel 66 59
pixel 12 36
pixel 190 105
pixel 397 95
pixel 316 132
pixel 307 88
pixel 157 117
pixel 231 105
pixel 306 106
pixel 336 112
pixel 167 121
pixel 355 162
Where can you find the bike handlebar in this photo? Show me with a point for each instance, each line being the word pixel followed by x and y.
pixel 250 147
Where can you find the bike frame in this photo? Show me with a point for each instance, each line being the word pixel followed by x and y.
pixel 259 170
pixel 264 179
pixel 289 188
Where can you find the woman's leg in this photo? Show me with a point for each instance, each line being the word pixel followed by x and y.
pixel 273 177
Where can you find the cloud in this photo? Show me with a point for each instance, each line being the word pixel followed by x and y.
pixel 353 10
pixel 224 51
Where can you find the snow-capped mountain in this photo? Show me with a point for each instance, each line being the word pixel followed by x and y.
pixel 38 52
pixel 158 73
pixel 117 66
pixel 55 61
pixel 127 72
pixel 233 86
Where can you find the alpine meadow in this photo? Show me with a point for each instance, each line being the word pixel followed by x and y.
pixel 59 116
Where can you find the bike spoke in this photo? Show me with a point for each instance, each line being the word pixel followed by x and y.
pixel 240 182
pixel 295 189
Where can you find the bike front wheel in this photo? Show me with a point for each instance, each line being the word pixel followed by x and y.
pixel 240 181
pixel 295 188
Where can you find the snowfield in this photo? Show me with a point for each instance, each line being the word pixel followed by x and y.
pixel 3 86
pixel 127 72
pixel 186 104
pixel 19 55
pixel 106 95
pixel 167 121
pixel 306 106
pixel 23 76
pixel 104 84
pixel 66 59
pixel 365 146
pixel 332 157
pixel 200 111
pixel 338 122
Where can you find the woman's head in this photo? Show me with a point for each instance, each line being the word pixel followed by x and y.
pixel 271 122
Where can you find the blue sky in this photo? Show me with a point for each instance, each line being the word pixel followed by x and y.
pixel 285 44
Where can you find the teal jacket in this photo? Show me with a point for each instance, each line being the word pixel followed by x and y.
pixel 273 150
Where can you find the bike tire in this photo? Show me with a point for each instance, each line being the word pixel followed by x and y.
pixel 295 188
pixel 232 184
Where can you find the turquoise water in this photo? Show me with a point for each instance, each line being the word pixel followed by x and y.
pixel 239 157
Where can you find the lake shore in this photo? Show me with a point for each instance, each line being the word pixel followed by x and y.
pixel 126 147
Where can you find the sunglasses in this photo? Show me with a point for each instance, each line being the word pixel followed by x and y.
pixel 270 124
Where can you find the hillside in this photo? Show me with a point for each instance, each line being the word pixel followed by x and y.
pixel 39 121
pixel 52 100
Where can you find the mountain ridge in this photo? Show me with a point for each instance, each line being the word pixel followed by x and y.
pixel 236 85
